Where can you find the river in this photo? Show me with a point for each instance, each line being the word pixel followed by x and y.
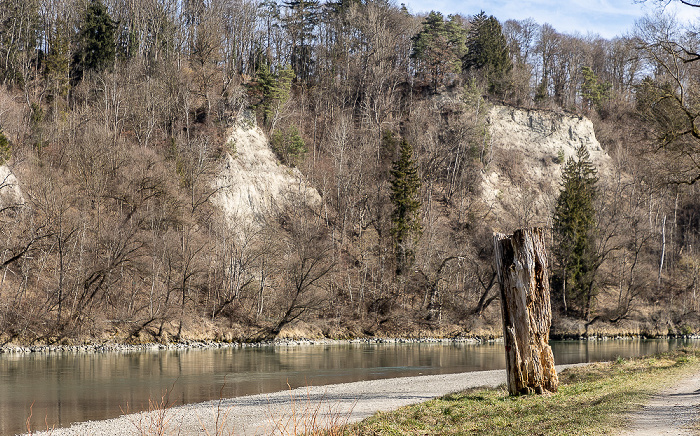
pixel 61 388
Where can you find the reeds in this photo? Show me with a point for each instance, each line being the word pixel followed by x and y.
pixel 304 416
pixel 310 417
pixel 49 429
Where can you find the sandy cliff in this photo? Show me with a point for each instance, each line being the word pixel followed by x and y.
pixel 10 192
pixel 528 150
pixel 253 184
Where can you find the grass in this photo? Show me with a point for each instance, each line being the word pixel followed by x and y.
pixel 592 400
pixel 311 417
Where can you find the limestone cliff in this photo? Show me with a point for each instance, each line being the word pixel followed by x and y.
pixel 252 184
pixel 10 192
pixel 528 150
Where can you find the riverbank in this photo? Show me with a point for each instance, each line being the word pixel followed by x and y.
pixel 193 345
pixel 110 347
pixel 593 399
pixel 208 335
pixel 296 410
pixel 597 399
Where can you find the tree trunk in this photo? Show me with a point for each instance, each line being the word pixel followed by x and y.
pixel 521 264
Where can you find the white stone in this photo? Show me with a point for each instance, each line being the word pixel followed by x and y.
pixel 10 192
pixel 253 184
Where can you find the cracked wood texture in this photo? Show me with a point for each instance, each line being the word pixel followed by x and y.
pixel 521 264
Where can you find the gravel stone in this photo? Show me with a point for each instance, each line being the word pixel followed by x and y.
pixel 289 412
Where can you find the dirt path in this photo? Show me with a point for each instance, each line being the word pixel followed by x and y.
pixel 670 412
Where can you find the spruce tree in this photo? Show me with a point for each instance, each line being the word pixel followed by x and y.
pixel 96 44
pixel 405 218
pixel 487 52
pixel 574 225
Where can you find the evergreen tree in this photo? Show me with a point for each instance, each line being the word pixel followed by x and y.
pixel 289 146
pixel 274 91
pixel 487 52
pixel 300 22
pixel 592 90
pixel 574 232
pixel 5 149
pixel 405 218
pixel 96 40
pixel 57 63
pixel 438 47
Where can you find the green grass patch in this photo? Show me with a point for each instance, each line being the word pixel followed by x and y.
pixel 592 400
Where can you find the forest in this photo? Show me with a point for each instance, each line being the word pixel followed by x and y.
pixel 114 116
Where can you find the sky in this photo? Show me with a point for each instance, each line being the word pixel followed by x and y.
pixel 605 18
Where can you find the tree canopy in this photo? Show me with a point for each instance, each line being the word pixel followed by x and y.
pixel 97 45
pixel 487 52
pixel 438 47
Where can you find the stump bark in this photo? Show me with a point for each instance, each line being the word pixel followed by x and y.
pixel 521 265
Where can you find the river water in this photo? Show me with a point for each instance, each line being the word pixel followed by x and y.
pixel 61 388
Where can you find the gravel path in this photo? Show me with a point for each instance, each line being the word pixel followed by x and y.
pixel 670 412
pixel 291 411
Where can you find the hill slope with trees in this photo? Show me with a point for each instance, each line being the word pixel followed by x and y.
pixel 115 119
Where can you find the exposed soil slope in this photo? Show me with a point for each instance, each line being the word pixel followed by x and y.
pixel 529 149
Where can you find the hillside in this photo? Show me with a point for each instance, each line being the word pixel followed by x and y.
pixel 216 170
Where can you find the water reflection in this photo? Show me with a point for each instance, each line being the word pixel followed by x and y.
pixel 65 388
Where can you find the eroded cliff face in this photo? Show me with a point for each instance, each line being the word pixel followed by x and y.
pixel 253 185
pixel 528 150
pixel 10 192
pixel 520 184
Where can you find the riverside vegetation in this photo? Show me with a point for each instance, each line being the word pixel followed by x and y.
pixel 591 400
pixel 114 118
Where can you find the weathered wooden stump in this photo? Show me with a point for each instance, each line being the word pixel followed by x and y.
pixel 521 264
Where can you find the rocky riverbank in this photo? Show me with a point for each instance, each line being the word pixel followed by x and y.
pixel 193 345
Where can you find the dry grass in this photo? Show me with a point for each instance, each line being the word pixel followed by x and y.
pixel 222 415
pixel 309 417
pixel 305 416
pixel 592 400
pixel 155 421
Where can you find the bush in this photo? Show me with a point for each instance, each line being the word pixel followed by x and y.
pixel 5 149
pixel 289 146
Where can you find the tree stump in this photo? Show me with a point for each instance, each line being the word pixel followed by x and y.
pixel 521 264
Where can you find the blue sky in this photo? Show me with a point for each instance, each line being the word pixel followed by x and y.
pixel 606 18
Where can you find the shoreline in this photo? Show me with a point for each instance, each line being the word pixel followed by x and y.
pixel 302 409
pixel 114 347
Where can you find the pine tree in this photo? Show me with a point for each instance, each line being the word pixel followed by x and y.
pixel 405 218
pixel 593 91
pixel 574 225
pixel 487 52
pixel 274 91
